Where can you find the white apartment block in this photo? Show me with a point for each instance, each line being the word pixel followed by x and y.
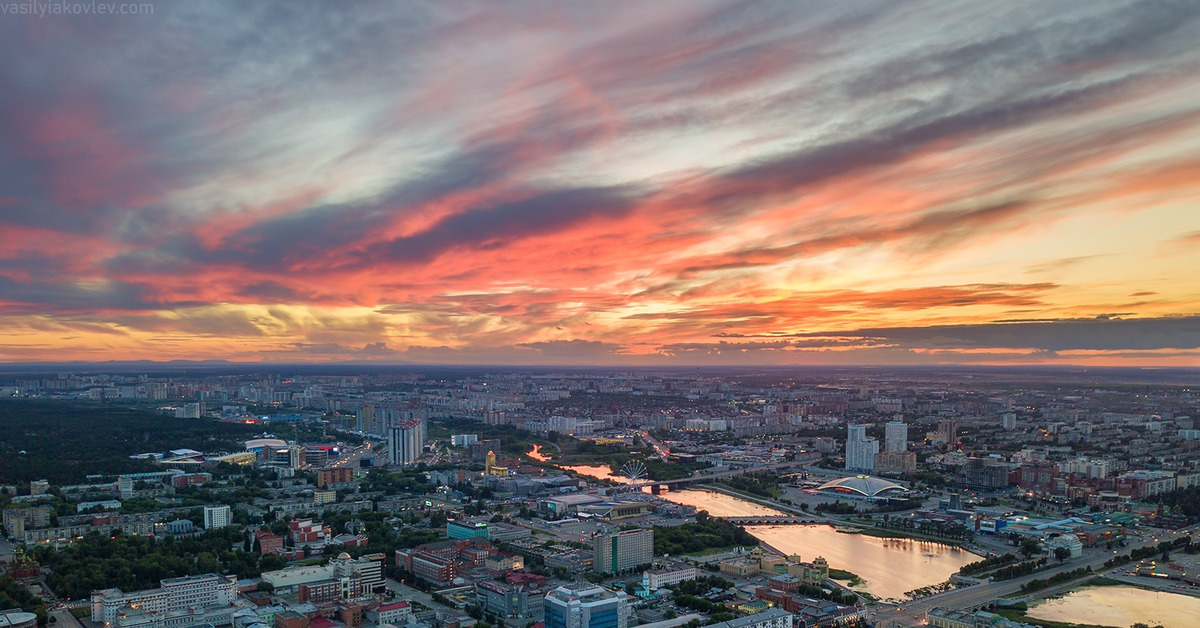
pixel 159 607
pixel 216 517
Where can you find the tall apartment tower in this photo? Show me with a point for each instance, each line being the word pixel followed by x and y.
pixel 368 419
pixel 895 437
pixel 405 441
pixel 587 607
pixel 860 450
pixel 622 551
pixel 216 517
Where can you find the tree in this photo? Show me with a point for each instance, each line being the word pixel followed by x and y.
pixel 1062 554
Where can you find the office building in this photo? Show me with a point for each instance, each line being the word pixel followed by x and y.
pixel 860 450
pixel 216 517
pixel 507 600
pixel 405 442
pixel 174 600
pixel 895 436
pixel 621 551
pixel 457 529
pixel 586 607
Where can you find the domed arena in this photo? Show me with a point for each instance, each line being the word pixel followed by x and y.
pixel 863 486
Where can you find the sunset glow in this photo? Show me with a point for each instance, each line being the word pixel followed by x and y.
pixel 598 183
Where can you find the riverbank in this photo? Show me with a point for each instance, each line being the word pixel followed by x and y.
pixel 1103 602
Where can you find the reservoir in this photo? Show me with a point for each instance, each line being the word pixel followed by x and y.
pixel 1120 606
pixel 890 567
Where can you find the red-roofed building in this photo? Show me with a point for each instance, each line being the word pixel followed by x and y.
pixel 519 578
pixel 322 622
pixel 268 542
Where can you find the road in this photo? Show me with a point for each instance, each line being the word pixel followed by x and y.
pixel 65 619
pixel 913 613
pixel 413 595
pixel 350 458
pixel 7 552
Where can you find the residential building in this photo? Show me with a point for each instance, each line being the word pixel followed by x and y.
pixel 405 442
pixel 464 440
pixel 216 517
pixel 860 450
pixel 669 575
pixel 395 613
pixel 770 618
pixel 334 477
pixel 621 551
pixel 895 436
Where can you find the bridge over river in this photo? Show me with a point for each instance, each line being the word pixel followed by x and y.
pixel 771 520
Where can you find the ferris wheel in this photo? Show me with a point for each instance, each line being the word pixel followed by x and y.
pixel 634 471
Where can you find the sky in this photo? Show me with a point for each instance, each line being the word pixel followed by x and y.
pixel 601 183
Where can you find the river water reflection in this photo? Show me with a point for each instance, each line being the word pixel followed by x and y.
pixel 1121 606
pixel 536 454
pixel 600 472
pixel 718 504
pixel 890 567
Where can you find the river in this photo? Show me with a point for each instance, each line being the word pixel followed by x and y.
pixel 536 454
pixel 600 472
pixel 889 567
pixel 1120 606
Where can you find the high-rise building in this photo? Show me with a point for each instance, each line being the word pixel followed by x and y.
pixel 1009 421
pixel 622 551
pixel 296 456
pixel 216 517
pixel 405 441
pixel 948 431
pixel 895 436
pixel 587 607
pixel 860 450
pixel 368 419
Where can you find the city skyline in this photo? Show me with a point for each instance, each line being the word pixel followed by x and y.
pixel 672 184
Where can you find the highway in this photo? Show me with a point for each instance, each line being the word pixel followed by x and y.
pixel 913 613
pixel 350 457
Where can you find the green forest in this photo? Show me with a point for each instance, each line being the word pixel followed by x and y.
pixel 1185 502
pixel 64 442
pixel 131 563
